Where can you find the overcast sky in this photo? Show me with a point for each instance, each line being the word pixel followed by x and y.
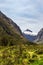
pixel 26 13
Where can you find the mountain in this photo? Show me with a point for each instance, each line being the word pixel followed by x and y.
pixel 28 30
pixel 31 36
pixel 39 38
pixel 6 23
pixel 15 49
pixel 10 32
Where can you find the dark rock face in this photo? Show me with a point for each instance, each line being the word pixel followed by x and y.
pixel 8 25
pixel 40 35
pixel 10 33
pixel 28 30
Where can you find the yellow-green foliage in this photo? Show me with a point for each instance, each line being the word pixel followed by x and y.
pixel 21 55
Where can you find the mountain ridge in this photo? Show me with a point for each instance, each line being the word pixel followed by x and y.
pixel 9 22
pixel 10 32
pixel 30 35
pixel 39 38
pixel 28 30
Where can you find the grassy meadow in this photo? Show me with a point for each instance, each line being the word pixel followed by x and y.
pixel 21 55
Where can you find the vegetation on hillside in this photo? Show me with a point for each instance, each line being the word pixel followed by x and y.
pixel 14 48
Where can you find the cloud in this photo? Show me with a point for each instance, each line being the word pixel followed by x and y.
pixel 26 13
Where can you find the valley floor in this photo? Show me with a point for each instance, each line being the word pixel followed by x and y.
pixel 21 55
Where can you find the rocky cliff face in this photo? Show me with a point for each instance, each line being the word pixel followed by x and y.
pixel 10 32
pixel 8 25
pixel 39 38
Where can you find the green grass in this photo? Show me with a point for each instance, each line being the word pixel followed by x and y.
pixel 21 55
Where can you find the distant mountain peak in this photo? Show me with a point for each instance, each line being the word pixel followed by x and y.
pixel 41 29
pixel 30 35
pixel 28 30
pixel 40 32
pixel 40 36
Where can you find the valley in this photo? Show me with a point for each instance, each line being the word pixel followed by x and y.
pixel 15 49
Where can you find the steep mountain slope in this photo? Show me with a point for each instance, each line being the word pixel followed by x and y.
pixel 31 36
pixel 8 25
pixel 39 38
pixel 10 32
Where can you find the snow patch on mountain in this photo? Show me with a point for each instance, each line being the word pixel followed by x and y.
pixel 29 32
